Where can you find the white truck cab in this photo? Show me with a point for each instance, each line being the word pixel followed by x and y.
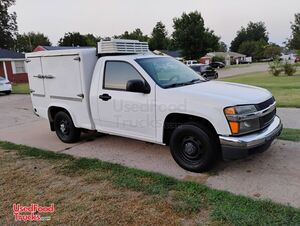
pixel 122 89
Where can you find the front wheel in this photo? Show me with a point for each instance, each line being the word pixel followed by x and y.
pixel 65 129
pixel 193 147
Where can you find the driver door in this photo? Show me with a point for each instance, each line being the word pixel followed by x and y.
pixel 130 114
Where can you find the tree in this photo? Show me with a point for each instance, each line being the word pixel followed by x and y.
pixel 159 39
pixel 210 42
pixel 137 34
pixel 218 59
pixel 192 37
pixel 294 42
pixel 255 49
pixel 222 47
pixel 72 39
pixel 77 39
pixel 8 24
pixel 253 32
pixel 239 39
pixel 172 45
pixel 27 42
pixel 272 51
pixel 91 40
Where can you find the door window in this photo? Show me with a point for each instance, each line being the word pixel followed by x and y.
pixel 117 74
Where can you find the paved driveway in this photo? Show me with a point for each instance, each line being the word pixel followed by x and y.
pixel 274 174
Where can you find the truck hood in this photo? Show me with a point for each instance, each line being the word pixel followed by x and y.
pixel 227 94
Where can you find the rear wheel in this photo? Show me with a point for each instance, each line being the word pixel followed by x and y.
pixel 65 129
pixel 7 92
pixel 193 147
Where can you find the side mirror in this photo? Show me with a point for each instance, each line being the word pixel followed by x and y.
pixel 137 86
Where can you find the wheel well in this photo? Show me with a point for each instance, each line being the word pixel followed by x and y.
pixel 52 111
pixel 174 120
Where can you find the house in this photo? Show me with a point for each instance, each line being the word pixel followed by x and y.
pixel 288 55
pixel 12 66
pixel 230 57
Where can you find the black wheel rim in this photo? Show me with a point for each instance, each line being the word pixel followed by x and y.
pixel 192 150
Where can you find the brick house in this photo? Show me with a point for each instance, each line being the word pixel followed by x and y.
pixel 12 66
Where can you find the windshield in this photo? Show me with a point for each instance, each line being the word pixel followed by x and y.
pixel 208 68
pixel 168 72
pixel 196 68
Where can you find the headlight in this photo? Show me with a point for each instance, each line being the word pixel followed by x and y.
pixel 242 119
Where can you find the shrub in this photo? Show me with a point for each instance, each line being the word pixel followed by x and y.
pixel 218 59
pixel 289 69
pixel 275 67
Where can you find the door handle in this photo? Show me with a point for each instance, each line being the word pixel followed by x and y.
pixel 39 76
pixel 105 97
pixel 49 76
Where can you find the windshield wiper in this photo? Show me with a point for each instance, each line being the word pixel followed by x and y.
pixel 174 85
pixel 193 81
pixel 184 83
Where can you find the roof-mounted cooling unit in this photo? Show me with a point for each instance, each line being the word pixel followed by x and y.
pixel 122 46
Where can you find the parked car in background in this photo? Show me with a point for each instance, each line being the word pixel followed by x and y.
pixel 5 86
pixel 217 64
pixel 205 70
pixel 190 62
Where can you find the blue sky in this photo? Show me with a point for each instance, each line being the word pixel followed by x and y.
pixel 110 17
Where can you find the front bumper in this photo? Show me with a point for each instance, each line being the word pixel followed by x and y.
pixel 242 146
pixel 5 87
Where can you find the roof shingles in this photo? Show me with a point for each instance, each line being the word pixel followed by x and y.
pixel 8 54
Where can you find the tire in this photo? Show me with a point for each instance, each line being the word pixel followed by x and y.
pixel 193 147
pixel 217 76
pixel 7 92
pixel 65 129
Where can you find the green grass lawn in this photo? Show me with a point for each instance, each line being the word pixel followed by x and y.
pixel 22 88
pixel 285 89
pixel 290 134
pixel 186 198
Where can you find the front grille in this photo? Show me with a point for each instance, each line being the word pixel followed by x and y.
pixel 265 104
pixel 267 119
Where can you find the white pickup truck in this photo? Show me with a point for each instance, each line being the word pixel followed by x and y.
pixel 122 89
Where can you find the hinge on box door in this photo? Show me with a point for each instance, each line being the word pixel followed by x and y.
pixel 27 61
pixel 81 95
pixel 32 91
pixel 77 58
